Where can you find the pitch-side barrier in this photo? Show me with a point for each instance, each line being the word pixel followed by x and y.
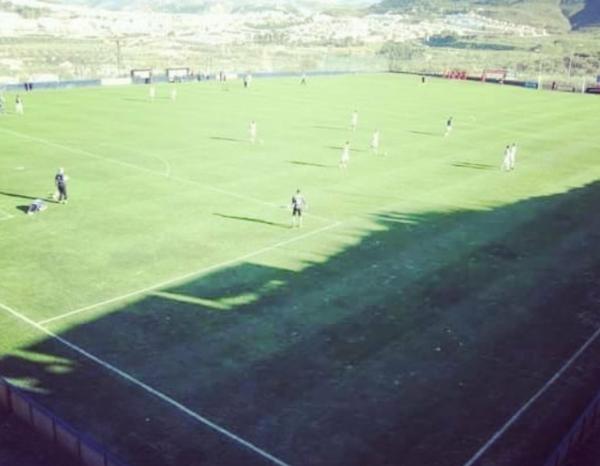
pixel 58 432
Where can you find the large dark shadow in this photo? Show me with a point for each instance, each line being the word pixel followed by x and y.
pixel 410 346
pixel 16 440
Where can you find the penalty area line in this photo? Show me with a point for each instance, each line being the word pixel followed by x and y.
pixel 133 380
pixel 186 276
pixel 500 432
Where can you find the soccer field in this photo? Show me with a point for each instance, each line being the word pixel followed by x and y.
pixel 170 311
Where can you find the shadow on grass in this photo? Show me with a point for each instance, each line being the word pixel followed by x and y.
pixel 222 138
pixel 426 133
pixel 332 128
pixel 338 148
pixel 252 220
pixel 475 166
pixel 310 164
pixel 23 196
pixel 31 198
pixel 411 344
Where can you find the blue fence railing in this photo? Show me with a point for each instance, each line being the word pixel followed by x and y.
pixel 586 425
pixel 62 435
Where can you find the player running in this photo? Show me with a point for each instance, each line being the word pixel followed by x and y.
pixel 375 142
pixel 345 155
pixel 252 131
pixel 506 161
pixel 60 180
pixel 19 105
pixel 303 80
pixel 448 126
pixel 354 121
pixel 298 205
pixel 513 156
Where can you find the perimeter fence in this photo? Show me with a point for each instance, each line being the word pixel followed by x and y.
pixel 61 434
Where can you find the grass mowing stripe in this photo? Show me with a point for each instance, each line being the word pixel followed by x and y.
pixel 172 281
pixel 130 378
pixel 86 153
pixel 532 400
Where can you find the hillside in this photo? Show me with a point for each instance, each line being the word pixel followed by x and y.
pixel 587 16
pixel 215 6
pixel 552 14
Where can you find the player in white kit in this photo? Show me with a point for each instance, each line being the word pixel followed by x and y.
pixel 506 161
pixel 354 120
pixel 375 142
pixel 252 131
pixel 19 106
pixel 513 156
pixel 345 155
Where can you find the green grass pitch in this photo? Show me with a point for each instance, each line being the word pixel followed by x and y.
pixel 171 312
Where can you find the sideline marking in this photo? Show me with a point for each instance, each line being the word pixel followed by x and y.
pixel 167 165
pixel 180 278
pixel 130 378
pixel 532 400
pixel 208 187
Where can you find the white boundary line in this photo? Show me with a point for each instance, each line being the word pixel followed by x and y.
pixel 209 187
pixel 180 278
pixel 167 399
pixel 167 165
pixel 532 400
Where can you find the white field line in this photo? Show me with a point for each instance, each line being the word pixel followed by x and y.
pixel 532 400
pixel 208 187
pixel 131 379
pixel 186 276
pixel 166 164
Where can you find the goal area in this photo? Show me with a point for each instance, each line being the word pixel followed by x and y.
pixel 177 74
pixel 493 75
pixel 141 75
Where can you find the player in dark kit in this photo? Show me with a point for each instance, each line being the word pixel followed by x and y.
pixel 298 206
pixel 61 185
